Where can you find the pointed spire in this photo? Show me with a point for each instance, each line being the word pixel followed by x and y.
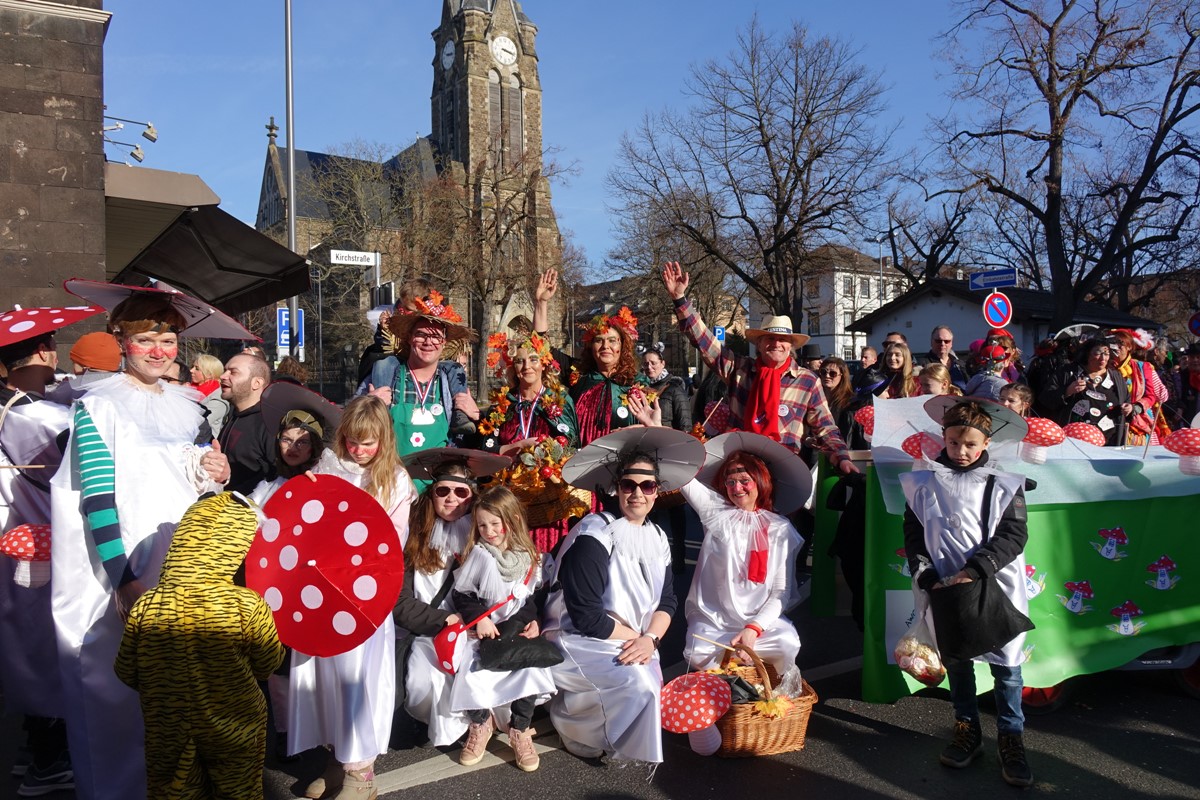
pixel 272 130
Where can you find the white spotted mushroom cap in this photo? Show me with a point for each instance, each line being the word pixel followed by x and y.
pixel 1184 442
pixel 20 324
pixel 27 543
pixel 1043 432
pixel 694 701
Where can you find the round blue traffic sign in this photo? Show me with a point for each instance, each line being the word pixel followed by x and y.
pixel 997 310
pixel 1194 324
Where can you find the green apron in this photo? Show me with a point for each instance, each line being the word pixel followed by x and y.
pixel 422 424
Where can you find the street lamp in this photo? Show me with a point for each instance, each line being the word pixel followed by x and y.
pixel 879 240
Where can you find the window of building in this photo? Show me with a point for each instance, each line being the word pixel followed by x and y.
pixel 514 121
pixel 848 353
pixel 847 285
pixel 812 287
pixel 864 287
pixel 847 320
pixel 814 323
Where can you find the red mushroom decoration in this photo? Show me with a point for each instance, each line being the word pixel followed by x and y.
pixel 1033 586
pixel 1185 443
pixel 865 417
pixel 1162 569
pixel 1084 432
pixel 923 444
pixel 692 704
pixel 1043 433
pixel 1080 591
pixel 1127 611
pixel 1115 537
pixel 29 545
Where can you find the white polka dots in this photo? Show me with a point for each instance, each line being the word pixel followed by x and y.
pixel 289 557
pixel 263 562
pixel 297 616
pixel 311 597
pixel 344 623
pixel 365 587
pixel 270 530
pixel 383 548
pixel 274 598
pixel 312 511
pixel 342 506
pixel 355 534
pixel 297 530
pixel 21 327
pixel 356 560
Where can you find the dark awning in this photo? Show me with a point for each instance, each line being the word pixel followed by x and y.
pixel 166 225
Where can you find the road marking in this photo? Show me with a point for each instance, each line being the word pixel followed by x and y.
pixel 445 765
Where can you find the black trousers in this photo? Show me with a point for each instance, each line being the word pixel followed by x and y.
pixel 521 708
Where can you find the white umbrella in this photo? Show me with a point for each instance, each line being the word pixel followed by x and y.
pixel 790 476
pixel 202 320
pixel 679 457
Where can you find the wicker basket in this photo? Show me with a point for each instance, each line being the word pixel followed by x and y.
pixel 745 732
pixel 553 503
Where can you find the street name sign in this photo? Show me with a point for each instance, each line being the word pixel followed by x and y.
pixel 993 279
pixel 354 258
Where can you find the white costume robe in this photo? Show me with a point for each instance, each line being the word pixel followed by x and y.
pixel 427 686
pixel 28 649
pixel 603 705
pixel 476 688
pixel 347 701
pixel 157 477
pixel 952 537
pixel 723 599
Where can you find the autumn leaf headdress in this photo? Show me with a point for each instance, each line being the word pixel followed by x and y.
pixel 431 308
pixel 624 319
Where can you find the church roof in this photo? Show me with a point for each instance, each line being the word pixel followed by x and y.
pixel 486 6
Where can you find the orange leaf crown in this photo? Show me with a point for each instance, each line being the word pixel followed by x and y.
pixel 435 305
pixel 623 319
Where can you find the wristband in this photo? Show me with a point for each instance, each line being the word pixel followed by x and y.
pixel 753 626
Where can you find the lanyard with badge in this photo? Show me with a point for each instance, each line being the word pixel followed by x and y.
pixel 526 421
pixel 420 414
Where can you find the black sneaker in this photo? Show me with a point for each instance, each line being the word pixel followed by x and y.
pixel 966 745
pixel 21 765
pixel 54 778
pixel 1013 765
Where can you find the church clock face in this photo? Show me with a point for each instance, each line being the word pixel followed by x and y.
pixel 448 54
pixel 504 50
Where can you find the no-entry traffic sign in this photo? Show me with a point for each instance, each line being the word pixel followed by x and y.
pixel 997 310
pixel 1194 324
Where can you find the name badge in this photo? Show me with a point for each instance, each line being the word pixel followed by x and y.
pixel 436 409
pixel 421 416
pixel 562 427
pixel 623 412
pixel 783 410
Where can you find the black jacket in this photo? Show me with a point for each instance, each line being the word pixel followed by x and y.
pixel 674 401
pixel 249 447
pixel 416 615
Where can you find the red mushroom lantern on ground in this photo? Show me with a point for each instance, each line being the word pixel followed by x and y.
pixel 1163 579
pixel 1127 611
pixel 29 546
pixel 1115 537
pixel 865 417
pixel 1080 591
pixel 923 444
pixel 1043 433
pixel 692 704
pixel 1083 432
pixel 1185 442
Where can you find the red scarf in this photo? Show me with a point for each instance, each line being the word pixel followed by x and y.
pixel 762 406
pixel 756 567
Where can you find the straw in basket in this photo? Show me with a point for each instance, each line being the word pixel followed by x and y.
pixel 746 732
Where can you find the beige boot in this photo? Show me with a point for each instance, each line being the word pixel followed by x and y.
pixel 359 785
pixel 328 783
pixel 478 736
pixel 521 743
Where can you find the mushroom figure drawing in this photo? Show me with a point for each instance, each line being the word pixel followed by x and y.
pixel 1163 579
pixel 1033 584
pixel 1127 627
pixel 1043 433
pixel 865 417
pixel 902 567
pixel 1080 591
pixel 1185 443
pixel 1114 538
pixel 923 444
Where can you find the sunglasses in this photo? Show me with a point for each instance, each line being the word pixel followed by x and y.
pixel 461 492
pixel 627 486
pixel 830 373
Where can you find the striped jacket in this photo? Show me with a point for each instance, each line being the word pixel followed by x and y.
pixel 802 406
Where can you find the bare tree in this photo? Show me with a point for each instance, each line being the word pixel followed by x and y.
pixel 1084 124
pixel 777 154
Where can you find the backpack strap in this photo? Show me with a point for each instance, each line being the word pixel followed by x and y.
pixel 986 517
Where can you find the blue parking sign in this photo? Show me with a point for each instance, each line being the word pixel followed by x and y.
pixel 283 333
pixel 719 333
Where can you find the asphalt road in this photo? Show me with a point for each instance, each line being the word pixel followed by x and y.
pixel 1124 735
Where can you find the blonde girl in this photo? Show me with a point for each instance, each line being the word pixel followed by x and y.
pixel 898 367
pixel 502 565
pixel 935 380
pixel 1018 397
pixel 345 702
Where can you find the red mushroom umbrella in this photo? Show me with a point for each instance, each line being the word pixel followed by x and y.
pixel 1043 433
pixel 865 416
pixel 923 444
pixel 1185 442
pixel 29 545
pixel 1084 432
pixel 328 562
pixel 692 704
pixel 26 323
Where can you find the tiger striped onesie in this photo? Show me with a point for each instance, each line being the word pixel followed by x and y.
pixel 194 648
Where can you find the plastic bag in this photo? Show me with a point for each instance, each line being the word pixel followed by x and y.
pixel 916 653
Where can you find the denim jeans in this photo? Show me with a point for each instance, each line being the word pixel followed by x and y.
pixel 1010 719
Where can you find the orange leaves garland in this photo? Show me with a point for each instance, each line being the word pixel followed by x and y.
pixel 435 305
pixel 623 319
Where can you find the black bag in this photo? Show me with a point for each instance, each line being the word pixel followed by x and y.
pixel 973 618
pixel 510 650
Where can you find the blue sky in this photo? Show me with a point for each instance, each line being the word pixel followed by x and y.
pixel 209 75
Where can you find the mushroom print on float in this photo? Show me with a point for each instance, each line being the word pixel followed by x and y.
pixel 1034 584
pixel 902 567
pixel 1080 591
pixel 1163 580
pixel 1112 538
pixel 1127 627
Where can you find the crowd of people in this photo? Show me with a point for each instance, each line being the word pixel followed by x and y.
pixel 566 611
